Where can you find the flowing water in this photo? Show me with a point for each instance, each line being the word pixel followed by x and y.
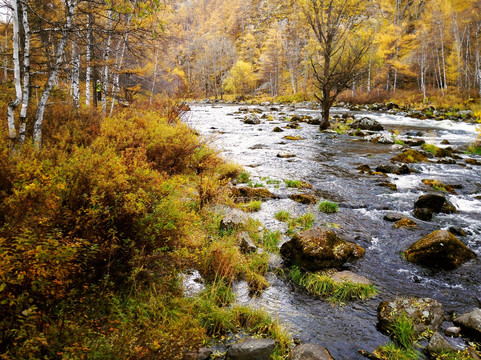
pixel 329 162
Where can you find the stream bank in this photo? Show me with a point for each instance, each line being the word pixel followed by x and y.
pixel 330 162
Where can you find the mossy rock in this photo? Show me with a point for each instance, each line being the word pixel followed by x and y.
pixel 318 249
pixel 405 223
pixel 410 156
pixel 293 138
pixel 437 185
pixel 246 193
pixel 277 129
pixel 304 199
pixel 426 314
pixel 440 249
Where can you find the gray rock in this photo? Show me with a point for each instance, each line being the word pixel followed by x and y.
pixel 426 313
pixel 423 214
pixel 251 349
pixel 367 124
pixel 382 138
pixel 438 345
pixel 310 352
pixel 393 217
pixel 452 331
pixel 347 275
pixel 470 322
pixel 252 120
pixel 246 245
pixel 233 219
pixel 285 155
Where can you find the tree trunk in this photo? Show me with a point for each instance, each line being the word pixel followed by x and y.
pixel 105 75
pixel 325 108
pixel 26 74
pixel 12 105
pixel 88 58
pixel 75 76
pixel 154 79
pixel 5 58
pixel 37 129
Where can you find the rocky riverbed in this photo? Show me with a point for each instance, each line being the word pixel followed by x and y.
pixel 360 170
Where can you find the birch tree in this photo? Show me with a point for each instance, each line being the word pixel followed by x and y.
pixel 70 6
pixel 12 131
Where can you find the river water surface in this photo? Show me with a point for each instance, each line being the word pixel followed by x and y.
pixel 329 162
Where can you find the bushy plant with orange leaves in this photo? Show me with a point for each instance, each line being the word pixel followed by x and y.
pixel 103 206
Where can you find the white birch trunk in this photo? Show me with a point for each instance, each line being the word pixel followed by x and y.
pixel 5 58
pixel 88 58
pixel 75 76
pixel 105 76
pixel 26 74
pixel 12 131
pixel 115 83
pixel 52 78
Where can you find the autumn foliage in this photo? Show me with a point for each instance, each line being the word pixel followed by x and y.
pixel 104 209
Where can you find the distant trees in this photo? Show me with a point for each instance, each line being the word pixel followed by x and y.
pixel 341 45
pixel 241 78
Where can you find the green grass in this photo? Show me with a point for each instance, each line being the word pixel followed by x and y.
pixel 254 185
pixel 455 355
pixel 305 221
pixel 475 150
pixel 431 148
pixel 399 142
pixel 270 241
pixel 244 177
pixel 282 215
pixel 293 183
pixel 392 352
pixel 402 331
pixel 328 207
pixel 252 206
pixel 321 285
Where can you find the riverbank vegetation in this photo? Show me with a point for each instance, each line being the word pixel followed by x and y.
pixel 96 229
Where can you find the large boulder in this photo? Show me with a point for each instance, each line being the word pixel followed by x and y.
pixel 440 249
pixel 470 322
pixel 366 124
pixel 310 352
pixel 251 349
pixel 319 248
pixel 246 245
pixel 425 313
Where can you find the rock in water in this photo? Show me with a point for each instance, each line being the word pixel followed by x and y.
pixel 434 202
pixel 438 345
pixel 470 322
pixel 318 249
pixel 252 120
pixel 410 156
pixel 310 352
pixel 251 349
pixel 440 249
pixel 304 199
pixel 425 313
pixel 366 124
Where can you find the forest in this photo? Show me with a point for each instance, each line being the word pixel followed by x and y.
pixel 109 199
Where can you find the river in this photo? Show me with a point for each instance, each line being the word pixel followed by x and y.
pixel 329 162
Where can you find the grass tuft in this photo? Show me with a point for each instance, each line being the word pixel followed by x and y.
pixel 328 207
pixel 321 285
